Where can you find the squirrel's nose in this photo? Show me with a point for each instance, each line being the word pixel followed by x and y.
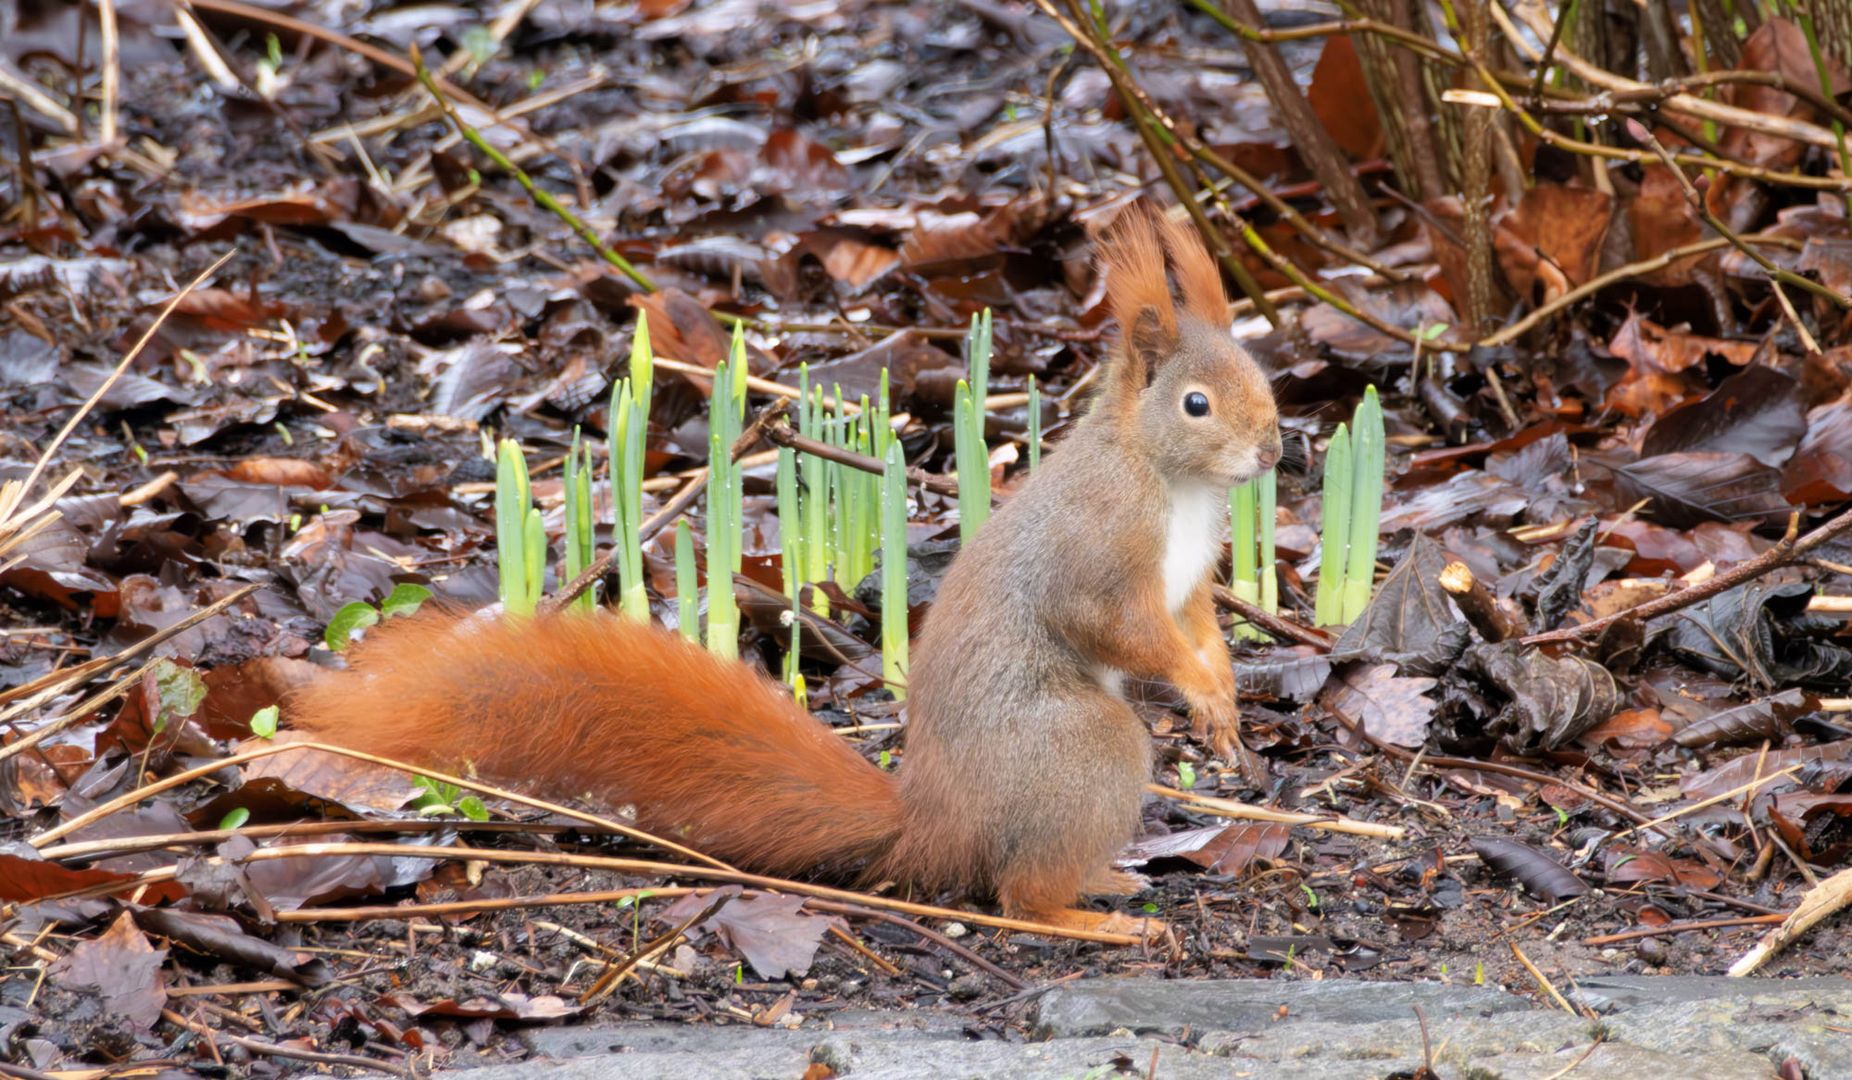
pixel 1269 455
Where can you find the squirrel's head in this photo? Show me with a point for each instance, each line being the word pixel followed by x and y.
pixel 1193 400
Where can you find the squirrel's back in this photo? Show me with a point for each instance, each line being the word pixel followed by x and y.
pixel 628 713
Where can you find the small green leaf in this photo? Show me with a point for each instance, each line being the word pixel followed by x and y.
pixel 471 807
pixel 235 818
pixel 264 722
pixel 1429 333
pixel 357 615
pixel 404 599
pixel 1150 908
pixel 1186 775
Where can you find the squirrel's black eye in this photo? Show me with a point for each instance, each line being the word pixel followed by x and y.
pixel 1196 403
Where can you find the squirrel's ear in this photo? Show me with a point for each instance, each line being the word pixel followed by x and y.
pixel 1147 342
pixel 1132 256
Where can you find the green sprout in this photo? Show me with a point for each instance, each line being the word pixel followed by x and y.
pixel 580 540
pixel 627 438
pixel 687 589
pixel 235 818
pixel 1034 437
pixel 813 492
pixel 1255 578
pixel 520 538
pixel 894 570
pixel 973 457
pixel 1366 504
pixel 725 414
pixel 1334 542
pixel 791 549
pixel 357 615
pixel 437 799
pixel 1353 506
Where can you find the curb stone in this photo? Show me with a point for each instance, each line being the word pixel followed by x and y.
pixel 1711 1027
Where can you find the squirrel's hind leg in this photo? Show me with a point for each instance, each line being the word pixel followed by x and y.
pixel 1109 882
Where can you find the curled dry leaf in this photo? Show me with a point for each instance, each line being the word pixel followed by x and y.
pixel 222 938
pixel 1766 719
pixel 1534 869
pixel 1549 701
pixel 1758 630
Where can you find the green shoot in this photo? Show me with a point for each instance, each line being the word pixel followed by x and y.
pixel 1035 425
pixel 1255 578
pixel 725 414
pixel 894 570
pixel 626 432
pixel 235 818
pixel 973 457
pixel 1366 504
pixel 353 617
pixel 687 587
pixel 1334 543
pixel 580 541
pixel 1269 567
pixel 438 798
pixel 520 539
pixel 813 489
pixel 791 546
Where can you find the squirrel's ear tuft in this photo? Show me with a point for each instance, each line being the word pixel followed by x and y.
pixel 1132 258
pixel 1198 278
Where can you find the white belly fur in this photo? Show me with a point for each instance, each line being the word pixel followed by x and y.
pixel 1192 540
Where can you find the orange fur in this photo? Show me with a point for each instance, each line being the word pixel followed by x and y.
pixel 1132 257
pixel 1198 277
pixel 629 713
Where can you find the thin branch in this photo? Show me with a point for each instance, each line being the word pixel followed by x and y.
pixel 538 194
pixel 639 866
pixel 1687 104
pixel 167 309
pixel 1621 273
pixel 99 812
pixel 1283 629
pixel 1789 551
pixel 1696 200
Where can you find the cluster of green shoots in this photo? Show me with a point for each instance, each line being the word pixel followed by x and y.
pixel 1353 509
pixel 834 518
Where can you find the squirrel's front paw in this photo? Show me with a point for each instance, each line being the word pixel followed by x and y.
pixel 1214 722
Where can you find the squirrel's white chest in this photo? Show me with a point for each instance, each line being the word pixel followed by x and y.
pixel 1192 540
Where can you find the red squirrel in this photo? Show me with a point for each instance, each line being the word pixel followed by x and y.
pixel 1024 766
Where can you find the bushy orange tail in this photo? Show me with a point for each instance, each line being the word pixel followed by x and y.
pixel 623 713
